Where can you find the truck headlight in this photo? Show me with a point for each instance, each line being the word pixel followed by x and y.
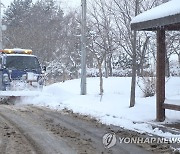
pixel 31 76
pixel 24 77
pixel 6 78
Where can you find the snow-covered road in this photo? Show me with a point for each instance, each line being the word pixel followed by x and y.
pixel 38 130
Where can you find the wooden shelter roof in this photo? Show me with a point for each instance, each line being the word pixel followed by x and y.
pixel 165 16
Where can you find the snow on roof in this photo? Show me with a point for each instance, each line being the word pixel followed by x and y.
pixel 167 9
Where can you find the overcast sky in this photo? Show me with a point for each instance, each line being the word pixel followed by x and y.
pixel 6 2
pixel 65 3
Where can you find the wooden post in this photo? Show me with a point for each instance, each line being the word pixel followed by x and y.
pixel 160 75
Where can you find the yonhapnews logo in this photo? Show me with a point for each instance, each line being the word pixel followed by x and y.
pixel 109 140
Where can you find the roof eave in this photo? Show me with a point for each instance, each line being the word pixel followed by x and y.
pixel 168 23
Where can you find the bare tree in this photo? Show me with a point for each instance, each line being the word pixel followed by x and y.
pixel 102 38
pixel 133 82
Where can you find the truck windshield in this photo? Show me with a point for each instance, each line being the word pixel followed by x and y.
pixel 22 63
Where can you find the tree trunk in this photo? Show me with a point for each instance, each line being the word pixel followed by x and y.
pixel 101 78
pixel 106 67
pixel 179 59
pixel 64 75
pixel 138 69
pixel 110 66
pixel 133 82
pixel 142 59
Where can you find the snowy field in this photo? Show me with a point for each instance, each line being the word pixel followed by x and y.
pixel 113 108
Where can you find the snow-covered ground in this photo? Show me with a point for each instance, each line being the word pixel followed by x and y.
pixel 113 107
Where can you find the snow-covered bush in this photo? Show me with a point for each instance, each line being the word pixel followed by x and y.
pixel 147 85
pixel 94 72
pixel 174 68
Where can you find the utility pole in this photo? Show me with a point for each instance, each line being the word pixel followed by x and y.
pixel 0 28
pixel 83 48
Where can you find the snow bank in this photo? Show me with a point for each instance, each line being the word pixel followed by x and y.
pixel 113 107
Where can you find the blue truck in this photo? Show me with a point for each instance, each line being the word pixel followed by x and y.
pixel 20 71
